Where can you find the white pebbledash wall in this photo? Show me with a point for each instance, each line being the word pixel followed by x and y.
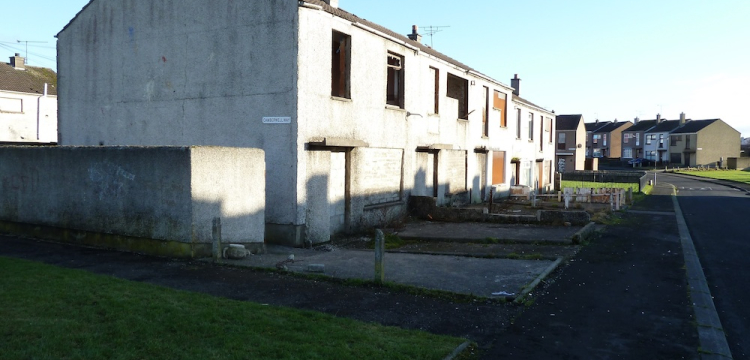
pixel 35 123
pixel 186 72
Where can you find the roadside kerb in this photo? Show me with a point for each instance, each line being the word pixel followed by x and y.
pixel 584 233
pixel 457 351
pixel 528 288
pixel 710 332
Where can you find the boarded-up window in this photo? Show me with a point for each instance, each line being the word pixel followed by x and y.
pixel 499 103
pixel 340 65
pixel 395 81
pixel 453 166
pixel 458 88
pixel 11 105
pixel 381 177
pixel 498 167
pixel 433 89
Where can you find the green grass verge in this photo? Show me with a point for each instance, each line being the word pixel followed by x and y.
pixel 732 175
pixel 49 312
pixel 590 184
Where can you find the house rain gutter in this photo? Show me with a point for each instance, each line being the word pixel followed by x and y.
pixel 386 36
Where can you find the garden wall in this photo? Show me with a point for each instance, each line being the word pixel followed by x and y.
pixel 158 200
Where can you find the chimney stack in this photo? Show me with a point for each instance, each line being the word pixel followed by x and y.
pixel 682 118
pixel 658 118
pixel 332 3
pixel 637 119
pixel 415 34
pixel 17 62
pixel 515 83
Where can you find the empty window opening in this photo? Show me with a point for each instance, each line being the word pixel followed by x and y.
pixel 499 103
pixel 531 126
pixel 541 133
pixel 341 65
pixel 486 112
pixel 395 83
pixel 561 141
pixel 518 123
pixel 458 88
pixel 549 129
pixel 433 89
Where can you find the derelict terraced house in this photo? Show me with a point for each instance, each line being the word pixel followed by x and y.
pixel 353 117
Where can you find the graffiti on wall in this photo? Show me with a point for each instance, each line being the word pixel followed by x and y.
pixel 23 183
pixel 109 179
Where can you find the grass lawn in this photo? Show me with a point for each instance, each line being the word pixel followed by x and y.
pixel 49 312
pixel 589 184
pixel 733 175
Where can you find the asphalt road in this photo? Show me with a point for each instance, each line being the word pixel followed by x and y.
pixel 717 217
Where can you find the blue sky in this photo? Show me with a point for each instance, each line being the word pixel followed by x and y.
pixel 603 59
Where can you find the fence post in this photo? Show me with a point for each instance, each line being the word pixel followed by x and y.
pixel 379 252
pixel 216 234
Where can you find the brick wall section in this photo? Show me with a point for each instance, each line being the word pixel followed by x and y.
pixel 381 175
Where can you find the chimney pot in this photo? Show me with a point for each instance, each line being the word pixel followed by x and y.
pixel 415 34
pixel 515 83
pixel 17 62
pixel 332 3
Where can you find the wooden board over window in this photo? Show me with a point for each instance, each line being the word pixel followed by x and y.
pixel 499 103
pixel 498 167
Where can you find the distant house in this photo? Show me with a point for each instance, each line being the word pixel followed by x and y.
pixel 704 143
pixel 592 140
pixel 656 147
pixel 606 141
pixel 570 142
pixel 28 103
pixel 633 138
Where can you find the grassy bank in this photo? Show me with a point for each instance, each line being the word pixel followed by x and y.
pixel 49 312
pixel 733 175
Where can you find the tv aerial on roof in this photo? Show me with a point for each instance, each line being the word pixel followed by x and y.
pixel 26 55
pixel 432 30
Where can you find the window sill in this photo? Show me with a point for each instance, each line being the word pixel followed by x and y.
pixel 394 107
pixel 342 99
pixel 485 137
pixel 463 120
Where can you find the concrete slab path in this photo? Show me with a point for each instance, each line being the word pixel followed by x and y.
pixel 458 274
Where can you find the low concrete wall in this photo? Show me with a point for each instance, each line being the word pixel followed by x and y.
pixel 425 208
pixel 742 163
pixel 159 200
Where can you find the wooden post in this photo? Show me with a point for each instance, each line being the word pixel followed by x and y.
pixel 559 196
pixel 630 195
pixel 379 252
pixel 216 234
